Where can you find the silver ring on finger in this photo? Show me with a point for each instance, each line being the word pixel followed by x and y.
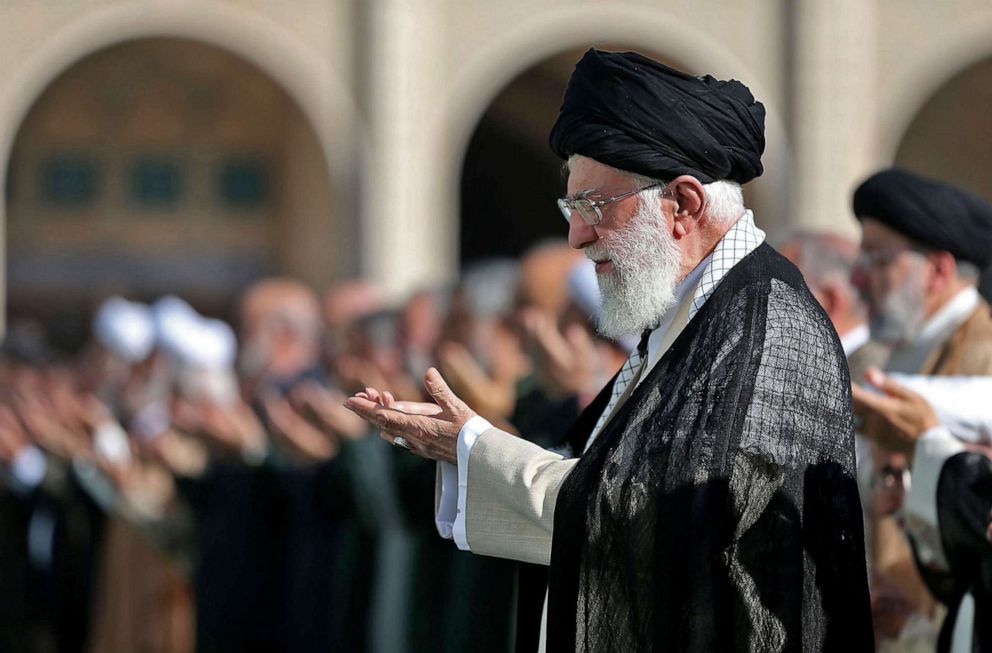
pixel 401 442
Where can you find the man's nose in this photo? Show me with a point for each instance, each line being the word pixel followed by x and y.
pixel 861 279
pixel 580 233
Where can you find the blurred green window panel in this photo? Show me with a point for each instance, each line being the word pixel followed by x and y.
pixel 68 180
pixel 244 183
pixel 156 182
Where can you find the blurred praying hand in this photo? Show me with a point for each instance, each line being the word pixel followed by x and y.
pixel 894 417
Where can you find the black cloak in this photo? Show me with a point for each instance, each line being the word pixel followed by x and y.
pixel 964 493
pixel 718 509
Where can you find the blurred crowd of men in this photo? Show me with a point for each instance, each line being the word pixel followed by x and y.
pixel 181 484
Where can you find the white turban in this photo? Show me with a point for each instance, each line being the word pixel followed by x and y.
pixel 125 328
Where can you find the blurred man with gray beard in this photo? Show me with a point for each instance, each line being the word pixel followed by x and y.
pixel 924 244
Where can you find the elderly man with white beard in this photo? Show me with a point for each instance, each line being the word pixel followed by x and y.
pixel 706 499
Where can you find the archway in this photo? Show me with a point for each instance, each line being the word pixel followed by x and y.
pixel 510 178
pixel 164 164
pixel 949 135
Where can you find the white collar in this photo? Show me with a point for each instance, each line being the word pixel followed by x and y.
pixel 739 241
pixel 949 317
pixel 854 339
pixel 682 291
pixel 909 356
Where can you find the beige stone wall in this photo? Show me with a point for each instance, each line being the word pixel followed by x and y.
pixel 394 89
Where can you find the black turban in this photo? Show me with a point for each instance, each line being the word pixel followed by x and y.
pixel 638 115
pixel 930 212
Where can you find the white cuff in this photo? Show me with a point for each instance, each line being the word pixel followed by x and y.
pixel 933 449
pixel 29 467
pixel 447 508
pixel 450 518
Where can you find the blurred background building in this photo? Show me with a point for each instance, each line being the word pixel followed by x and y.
pixel 192 147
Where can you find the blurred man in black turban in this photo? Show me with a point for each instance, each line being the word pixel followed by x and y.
pixel 706 499
pixel 924 244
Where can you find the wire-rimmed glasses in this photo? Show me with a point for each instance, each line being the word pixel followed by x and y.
pixel 588 209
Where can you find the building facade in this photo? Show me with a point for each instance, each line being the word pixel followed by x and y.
pixel 150 146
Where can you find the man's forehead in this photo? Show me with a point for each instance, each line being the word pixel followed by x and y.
pixel 584 173
pixel 876 234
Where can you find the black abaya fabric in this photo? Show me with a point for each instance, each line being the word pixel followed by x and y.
pixel 718 509
pixel 964 498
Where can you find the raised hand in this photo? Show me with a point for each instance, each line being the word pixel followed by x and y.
pixel 182 454
pixel 355 373
pixel 894 419
pixel 327 409
pixel 12 435
pixel 305 443
pixel 231 429
pixel 493 397
pixel 430 429
pixel 44 424
pixel 565 363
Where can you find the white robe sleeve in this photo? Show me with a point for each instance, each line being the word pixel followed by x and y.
pixel 932 451
pixel 450 514
pixel 959 401
pixel 499 499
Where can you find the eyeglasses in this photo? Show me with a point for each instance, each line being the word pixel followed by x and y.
pixel 890 477
pixel 588 209
pixel 881 258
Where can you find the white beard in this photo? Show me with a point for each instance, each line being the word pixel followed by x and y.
pixel 641 286
pixel 901 312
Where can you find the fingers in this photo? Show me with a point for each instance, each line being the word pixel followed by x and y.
pixel 417 408
pixel 396 423
pixel 875 377
pixel 865 400
pixel 429 430
pixel 387 420
pixel 579 338
pixel 363 407
pixel 880 380
pixel 439 390
pixel 899 391
pixel 462 366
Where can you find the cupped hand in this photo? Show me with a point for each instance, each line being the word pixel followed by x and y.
pixel 430 429
pixel 895 417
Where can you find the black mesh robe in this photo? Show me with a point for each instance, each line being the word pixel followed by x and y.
pixel 718 509
pixel 964 493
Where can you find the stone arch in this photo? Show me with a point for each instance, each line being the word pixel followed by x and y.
pixel 301 72
pixel 494 66
pixel 947 134
pixel 922 74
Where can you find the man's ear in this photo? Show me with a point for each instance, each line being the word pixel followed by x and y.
pixel 944 269
pixel 832 300
pixel 690 202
